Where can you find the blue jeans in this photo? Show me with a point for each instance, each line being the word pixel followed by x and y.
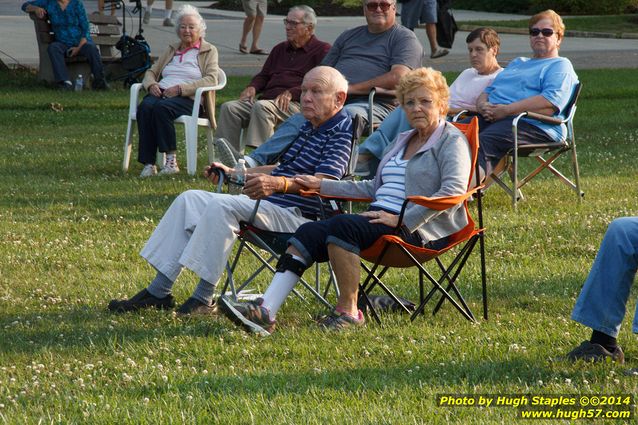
pixel 268 152
pixel 395 123
pixel 602 302
pixel 57 53
pixel 280 141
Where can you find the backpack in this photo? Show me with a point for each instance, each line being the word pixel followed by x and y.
pixel 446 26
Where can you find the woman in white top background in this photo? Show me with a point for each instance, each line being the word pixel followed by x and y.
pixel 171 84
pixel 483 45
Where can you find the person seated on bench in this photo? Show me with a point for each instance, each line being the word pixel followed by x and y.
pixel 198 229
pixel 482 45
pixel 431 160
pixel 71 28
pixel 171 84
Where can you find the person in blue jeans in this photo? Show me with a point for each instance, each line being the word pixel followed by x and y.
pixel 602 302
pixel 71 29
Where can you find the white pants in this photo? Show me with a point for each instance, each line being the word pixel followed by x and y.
pixel 198 231
pixel 259 119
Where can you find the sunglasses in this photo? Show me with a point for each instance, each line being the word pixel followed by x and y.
pixel 373 5
pixel 547 32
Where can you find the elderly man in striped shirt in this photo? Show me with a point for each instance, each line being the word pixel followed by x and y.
pixel 198 229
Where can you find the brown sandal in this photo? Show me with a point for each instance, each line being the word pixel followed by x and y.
pixel 243 49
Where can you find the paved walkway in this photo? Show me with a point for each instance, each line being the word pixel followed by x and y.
pixel 17 39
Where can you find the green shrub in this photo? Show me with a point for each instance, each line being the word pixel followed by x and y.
pixel 321 7
pixel 564 7
pixel 499 6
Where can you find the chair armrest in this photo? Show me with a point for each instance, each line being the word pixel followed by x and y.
pixel 441 203
pixel 540 117
pixel 134 98
pixel 310 193
pixel 458 116
pixel 199 92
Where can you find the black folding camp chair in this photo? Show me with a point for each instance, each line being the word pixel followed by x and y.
pixel 273 244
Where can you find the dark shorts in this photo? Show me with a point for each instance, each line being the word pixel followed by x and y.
pixel 352 232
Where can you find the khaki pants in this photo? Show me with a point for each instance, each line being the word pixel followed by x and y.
pixel 198 231
pixel 259 118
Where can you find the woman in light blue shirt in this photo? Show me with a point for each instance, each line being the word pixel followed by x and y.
pixel 543 84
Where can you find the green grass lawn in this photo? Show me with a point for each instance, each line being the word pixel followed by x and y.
pixel 615 24
pixel 72 224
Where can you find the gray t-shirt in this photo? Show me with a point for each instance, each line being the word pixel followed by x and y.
pixel 360 55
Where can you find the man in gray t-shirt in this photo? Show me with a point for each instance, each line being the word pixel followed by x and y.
pixel 375 55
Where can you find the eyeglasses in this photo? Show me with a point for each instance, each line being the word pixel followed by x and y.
pixel 547 32
pixel 413 104
pixel 373 6
pixel 289 23
pixel 187 27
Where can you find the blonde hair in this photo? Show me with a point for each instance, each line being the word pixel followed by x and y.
pixel 430 79
pixel 557 21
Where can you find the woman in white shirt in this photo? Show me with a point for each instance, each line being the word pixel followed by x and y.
pixel 171 84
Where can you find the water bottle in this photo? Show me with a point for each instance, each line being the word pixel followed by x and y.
pixel 79 83
pixel 237 178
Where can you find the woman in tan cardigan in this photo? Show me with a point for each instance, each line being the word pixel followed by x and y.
pixel 171 83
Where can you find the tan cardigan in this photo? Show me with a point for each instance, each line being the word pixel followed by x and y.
pixel 207 60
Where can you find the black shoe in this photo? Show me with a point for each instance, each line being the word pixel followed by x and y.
pixel 142 299
pixel 194 307
pixel 590 352
pixel 100 84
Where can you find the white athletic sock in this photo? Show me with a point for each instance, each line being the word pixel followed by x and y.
pixel 281 285
pixel 168 13
pixel 149 8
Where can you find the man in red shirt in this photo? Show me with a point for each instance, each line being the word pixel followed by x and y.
pixel 278 83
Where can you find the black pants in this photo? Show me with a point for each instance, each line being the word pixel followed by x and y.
pixel 155 116
pixel 496 138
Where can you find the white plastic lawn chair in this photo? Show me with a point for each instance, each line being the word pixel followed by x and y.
pixel 191 123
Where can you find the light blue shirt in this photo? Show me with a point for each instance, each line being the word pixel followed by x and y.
pixel 552 78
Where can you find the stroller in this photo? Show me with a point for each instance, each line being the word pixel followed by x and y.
pixel 136 53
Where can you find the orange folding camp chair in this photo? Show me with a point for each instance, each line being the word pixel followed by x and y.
pixel 391 251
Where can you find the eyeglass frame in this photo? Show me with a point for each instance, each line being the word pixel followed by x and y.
pixel 288 22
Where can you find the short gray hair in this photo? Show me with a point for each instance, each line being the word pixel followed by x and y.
pixel 309 15
pixel 188 10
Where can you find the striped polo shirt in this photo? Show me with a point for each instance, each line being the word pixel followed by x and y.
pixel 322 150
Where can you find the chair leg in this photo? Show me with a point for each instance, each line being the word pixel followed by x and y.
pixel 210 149
pixel 128 145
pixel 190 131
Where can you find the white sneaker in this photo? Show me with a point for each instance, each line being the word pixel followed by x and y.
pixel 168 22
pixel 147 17
pixel 148 170
pixel 169 169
